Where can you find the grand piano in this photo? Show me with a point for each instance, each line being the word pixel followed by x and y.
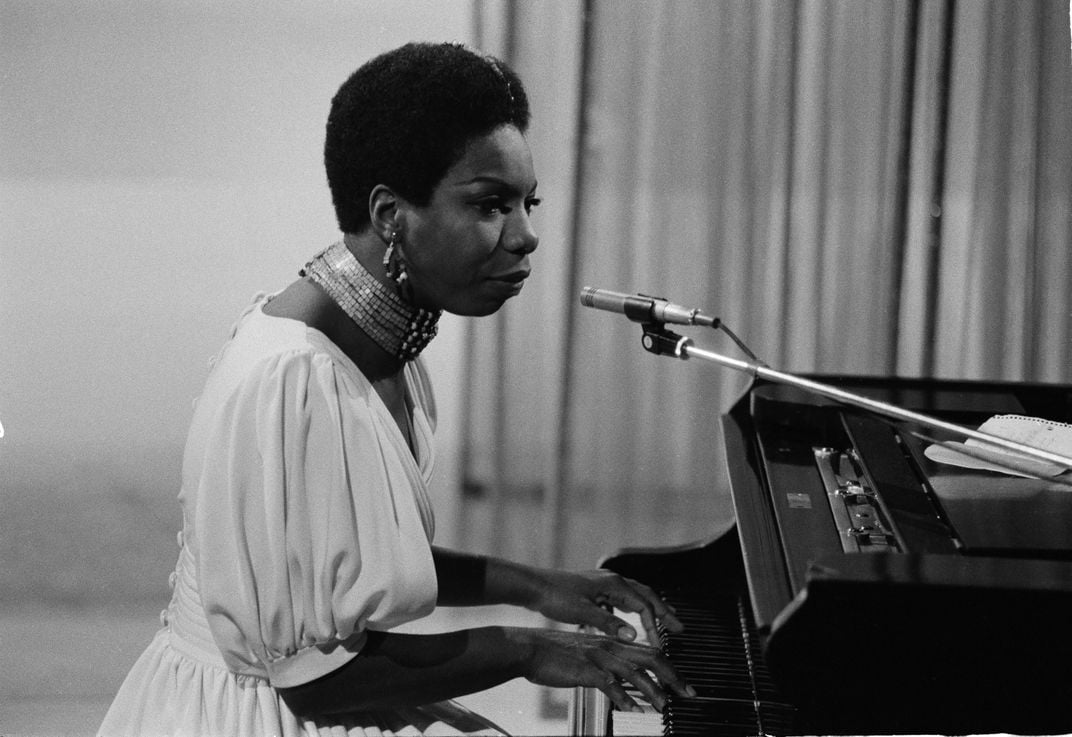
pixel 864 588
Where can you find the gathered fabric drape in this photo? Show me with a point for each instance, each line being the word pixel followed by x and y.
pixel 879 187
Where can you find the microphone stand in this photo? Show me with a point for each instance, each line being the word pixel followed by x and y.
pixel 660 341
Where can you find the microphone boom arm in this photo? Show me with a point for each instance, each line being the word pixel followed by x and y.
pixel 657 339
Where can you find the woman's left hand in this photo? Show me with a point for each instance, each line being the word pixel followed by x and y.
pixel 583 598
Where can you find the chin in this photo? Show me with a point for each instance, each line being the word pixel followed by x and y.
pixel 479 309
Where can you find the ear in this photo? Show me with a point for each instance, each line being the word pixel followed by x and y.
pixel 386 211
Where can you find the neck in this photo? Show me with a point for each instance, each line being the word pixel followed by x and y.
pixel 376 363
pixel 368 249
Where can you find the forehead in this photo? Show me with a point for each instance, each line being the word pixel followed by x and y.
pixel 503 154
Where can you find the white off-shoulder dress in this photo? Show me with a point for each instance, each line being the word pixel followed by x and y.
pixel 306 523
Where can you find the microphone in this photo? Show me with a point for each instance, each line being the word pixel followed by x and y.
pixel 642 308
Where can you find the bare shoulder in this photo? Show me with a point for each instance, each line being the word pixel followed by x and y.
pixel 301 300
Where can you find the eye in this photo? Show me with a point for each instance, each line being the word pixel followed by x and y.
pixel 493 206
pixel 532 202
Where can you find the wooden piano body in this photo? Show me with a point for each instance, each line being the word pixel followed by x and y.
pixel 864 588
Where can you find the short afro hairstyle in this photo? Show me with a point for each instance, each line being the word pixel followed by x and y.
pixel 405 117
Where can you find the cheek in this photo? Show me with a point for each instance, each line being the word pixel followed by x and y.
pixel 454 252
pixel 465 249
pixel 486 238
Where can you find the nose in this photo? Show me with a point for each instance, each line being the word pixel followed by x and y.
pixel 519 236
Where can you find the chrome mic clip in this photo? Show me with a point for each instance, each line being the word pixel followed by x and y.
pixel 662 342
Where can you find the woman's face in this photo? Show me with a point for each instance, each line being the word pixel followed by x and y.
pixel 467 251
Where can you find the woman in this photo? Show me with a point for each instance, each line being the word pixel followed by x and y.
pixel 306 524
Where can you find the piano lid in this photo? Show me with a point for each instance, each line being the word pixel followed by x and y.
pixel 957 605
pixel 785 511
pixel 990 513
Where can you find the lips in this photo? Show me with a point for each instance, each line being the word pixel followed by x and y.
pixel 514 277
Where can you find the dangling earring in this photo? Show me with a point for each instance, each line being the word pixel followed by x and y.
pixel 395 265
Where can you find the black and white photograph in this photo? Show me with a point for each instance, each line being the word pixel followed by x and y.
pixel 565 368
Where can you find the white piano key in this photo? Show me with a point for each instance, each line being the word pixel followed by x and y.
pixel 647 722
pixel 634 621
pixel 636 724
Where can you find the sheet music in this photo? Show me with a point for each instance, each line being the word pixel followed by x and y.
pixel 1047 435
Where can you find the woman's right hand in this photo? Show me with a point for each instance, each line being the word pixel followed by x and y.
pixel 566 659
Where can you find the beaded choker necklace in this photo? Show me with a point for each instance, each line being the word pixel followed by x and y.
pixel 393 323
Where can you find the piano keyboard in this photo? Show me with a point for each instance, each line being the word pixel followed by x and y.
pixel 719 655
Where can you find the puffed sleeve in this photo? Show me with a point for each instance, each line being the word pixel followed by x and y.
pixel 308 526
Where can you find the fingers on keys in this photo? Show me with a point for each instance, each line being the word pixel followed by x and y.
pixel 646 670
pixel 652 609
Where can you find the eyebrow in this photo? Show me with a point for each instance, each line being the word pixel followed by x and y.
pixel 488 179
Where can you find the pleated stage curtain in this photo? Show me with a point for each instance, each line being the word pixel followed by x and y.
pixel 874 187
